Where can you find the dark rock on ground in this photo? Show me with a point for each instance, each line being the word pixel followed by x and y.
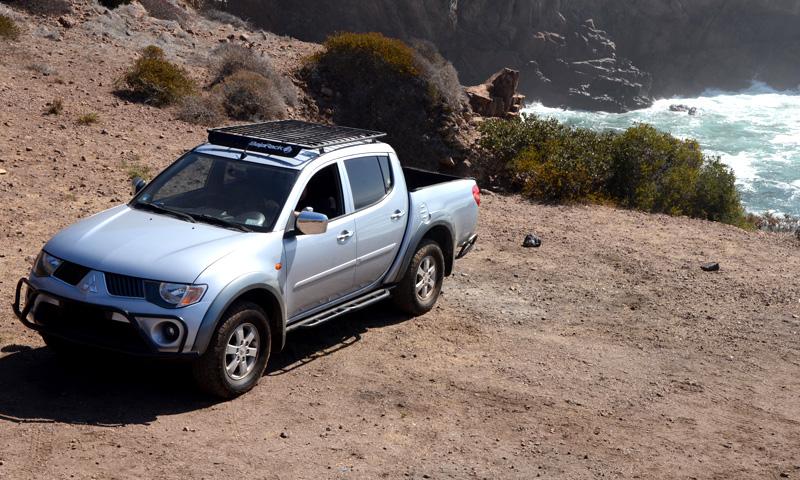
pixel 532 241
pixel 710 267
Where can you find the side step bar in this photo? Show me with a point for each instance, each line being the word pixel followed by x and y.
pixel 351 306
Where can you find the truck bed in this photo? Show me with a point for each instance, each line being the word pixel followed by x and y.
pixel 417 179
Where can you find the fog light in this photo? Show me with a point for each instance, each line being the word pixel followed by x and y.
pixel 170 332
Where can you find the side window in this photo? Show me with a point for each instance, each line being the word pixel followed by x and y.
pixel 370 180
pixel 323 193
pixel 386 169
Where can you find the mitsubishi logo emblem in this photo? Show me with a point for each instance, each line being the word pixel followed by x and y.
pixel 89 284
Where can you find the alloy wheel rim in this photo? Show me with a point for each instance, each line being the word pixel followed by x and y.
pixel 241 351
pixel 425 281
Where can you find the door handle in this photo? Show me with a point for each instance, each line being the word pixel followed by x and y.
pixel 344 235
pixel 397 215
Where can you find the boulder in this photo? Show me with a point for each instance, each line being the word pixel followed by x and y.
pixel 497 97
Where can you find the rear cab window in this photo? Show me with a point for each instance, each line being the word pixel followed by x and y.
pixel 370 179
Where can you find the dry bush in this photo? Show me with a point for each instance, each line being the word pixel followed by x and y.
pixel 250 96
pixel 42 7
pixel 41 68
pixel 8 28
pixel 112 4
pixel 55 107
pixel 155 80
pixel 230 58
pixel 202 110
pixel 441 75
pixel 224 17
pixel 163 10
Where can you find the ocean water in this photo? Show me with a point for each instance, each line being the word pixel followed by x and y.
pixel 756 132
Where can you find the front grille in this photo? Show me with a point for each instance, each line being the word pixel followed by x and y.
pixel 90 324
pixel 71 273
pixel 124 286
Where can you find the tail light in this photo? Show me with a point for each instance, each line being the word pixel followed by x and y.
pixel 476 194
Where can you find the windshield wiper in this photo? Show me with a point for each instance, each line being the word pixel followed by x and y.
pixel 167 211
pixel 220 222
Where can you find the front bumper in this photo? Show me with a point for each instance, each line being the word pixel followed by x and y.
pixel 91 324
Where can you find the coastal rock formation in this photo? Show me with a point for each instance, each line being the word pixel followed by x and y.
pixel 593 54
pixel 497 97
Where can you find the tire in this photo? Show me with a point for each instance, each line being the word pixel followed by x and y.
pixel 229 348
pixel 409 296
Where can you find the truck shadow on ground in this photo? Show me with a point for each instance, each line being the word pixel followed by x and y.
pixel 37 386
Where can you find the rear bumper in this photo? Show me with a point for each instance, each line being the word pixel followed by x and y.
pixel 466 247
pixel 100 326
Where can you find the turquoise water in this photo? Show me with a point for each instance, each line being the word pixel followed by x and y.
pixel 755 132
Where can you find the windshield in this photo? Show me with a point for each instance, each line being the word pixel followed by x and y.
pixel 224 192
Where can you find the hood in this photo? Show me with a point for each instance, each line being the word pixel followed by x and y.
pixel 144 244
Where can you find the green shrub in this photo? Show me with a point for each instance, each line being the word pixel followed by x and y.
pixel 640 168
pixel 153 79
pixel 202 110
pixel 8 28
pixel 370 81
pixel 250 96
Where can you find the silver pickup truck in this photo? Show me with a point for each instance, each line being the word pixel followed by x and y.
pixel 264 229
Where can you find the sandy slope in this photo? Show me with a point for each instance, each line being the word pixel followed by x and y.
pixel 605 353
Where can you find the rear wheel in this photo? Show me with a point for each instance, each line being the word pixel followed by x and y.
pixel 420 287
pixel 238 353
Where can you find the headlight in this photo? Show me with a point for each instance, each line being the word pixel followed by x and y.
pixel 181 294
pixel 46 264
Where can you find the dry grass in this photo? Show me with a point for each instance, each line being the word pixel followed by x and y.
pixel 134 168
pixel 55 107
pixel 88 119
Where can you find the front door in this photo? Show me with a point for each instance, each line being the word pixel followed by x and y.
pixel 381 214
pixel 321 268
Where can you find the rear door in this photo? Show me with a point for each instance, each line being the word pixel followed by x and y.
pixel 380 213
pixel 321 268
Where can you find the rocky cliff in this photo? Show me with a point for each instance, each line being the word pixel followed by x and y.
pixel 609 55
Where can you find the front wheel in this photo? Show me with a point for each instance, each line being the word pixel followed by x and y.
pixel 238 353
pixel 420 287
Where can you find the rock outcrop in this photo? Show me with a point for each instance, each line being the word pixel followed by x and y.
pixel 593 54
pixel 497 97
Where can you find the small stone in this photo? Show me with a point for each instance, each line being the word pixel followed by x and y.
pixel 532 241
pixel 244 38
pixel 284 435
pixel 66 22
pixel 710 267
pixel 104 132
pixel 3 171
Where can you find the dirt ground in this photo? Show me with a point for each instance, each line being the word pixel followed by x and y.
pixel 606 353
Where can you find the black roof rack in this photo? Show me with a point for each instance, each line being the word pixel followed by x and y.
pixel 288 137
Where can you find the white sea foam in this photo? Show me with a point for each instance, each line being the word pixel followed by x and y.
pixel 756 132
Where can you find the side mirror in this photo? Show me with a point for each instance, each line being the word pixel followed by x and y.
pixel 311 223
pixel 138 184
